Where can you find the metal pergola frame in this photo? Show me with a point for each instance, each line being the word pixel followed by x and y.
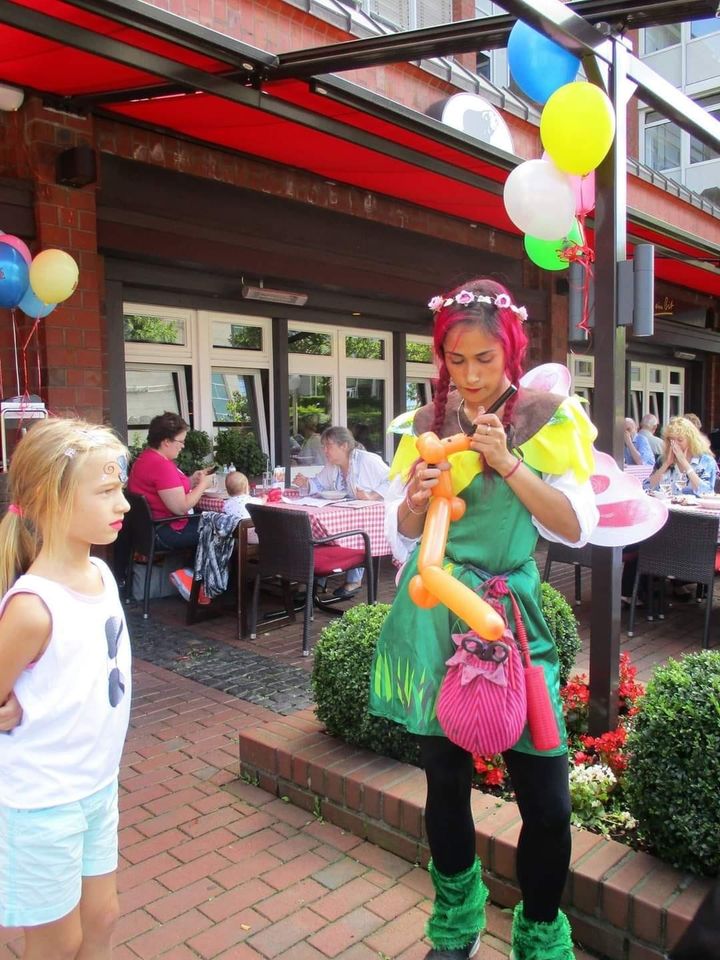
pixel 591 29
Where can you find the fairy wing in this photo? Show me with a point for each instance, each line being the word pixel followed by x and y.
pixel 627 513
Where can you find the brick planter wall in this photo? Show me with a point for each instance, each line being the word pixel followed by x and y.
pixel 622 904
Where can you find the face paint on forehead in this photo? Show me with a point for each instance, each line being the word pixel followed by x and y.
pixel 116 468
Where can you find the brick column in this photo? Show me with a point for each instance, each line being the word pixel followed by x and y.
pixel 71 338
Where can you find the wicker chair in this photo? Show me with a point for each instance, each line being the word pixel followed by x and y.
pixel 286 549
pixel 685 549
pixel 142 544
pixel 578 556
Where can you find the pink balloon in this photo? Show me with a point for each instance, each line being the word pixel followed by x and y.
pixel 19 245
pixel 584 190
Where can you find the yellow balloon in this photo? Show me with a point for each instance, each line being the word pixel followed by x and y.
pixel 577 127
pixel 53 276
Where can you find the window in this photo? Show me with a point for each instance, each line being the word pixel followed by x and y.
pixel 237 399
pixel 659 38
pixel 662 145
pixel 236 336
pixel 699 151
pixel 153 328
pixel 211 368
pixel 703 28
pixel 152 389
pixel 419 372
pixel 410 14
pixel 311 343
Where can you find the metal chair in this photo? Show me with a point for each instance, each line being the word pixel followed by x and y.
pixel 287 549
pixel 142 539
pixel 685 549
pixel 578 556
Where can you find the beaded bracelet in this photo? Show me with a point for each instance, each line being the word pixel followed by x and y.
pixel 518 461
pixel 417 513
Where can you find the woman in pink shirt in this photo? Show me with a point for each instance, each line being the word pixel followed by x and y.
pixel 166 488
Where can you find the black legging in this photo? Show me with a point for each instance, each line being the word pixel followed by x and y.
pixel 543 797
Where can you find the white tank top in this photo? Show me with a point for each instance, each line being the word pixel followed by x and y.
pixel 75 699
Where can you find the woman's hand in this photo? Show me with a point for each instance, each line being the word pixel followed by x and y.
pixel 300 480
pixel 361 494
pixel 680 459
pixel 490 440
pixel 424 478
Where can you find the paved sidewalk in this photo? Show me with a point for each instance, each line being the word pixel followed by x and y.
pixel 212 867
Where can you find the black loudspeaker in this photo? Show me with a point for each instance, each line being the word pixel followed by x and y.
pixel 76 167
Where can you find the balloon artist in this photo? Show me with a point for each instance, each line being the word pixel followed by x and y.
pixel 523 468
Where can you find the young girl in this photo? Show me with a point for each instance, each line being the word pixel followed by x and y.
pixel 65 655
pixel 527 471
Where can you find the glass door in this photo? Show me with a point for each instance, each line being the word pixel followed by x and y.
pixel 337 377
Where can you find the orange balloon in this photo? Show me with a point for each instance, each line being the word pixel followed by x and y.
pixel 433 584
pixel 476 612
pixel 420 595
pixel 435 533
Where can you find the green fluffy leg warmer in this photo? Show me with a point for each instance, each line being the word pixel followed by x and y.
pixel 459 910
pixel 533 940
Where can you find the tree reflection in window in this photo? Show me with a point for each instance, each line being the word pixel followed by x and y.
pixel 143 328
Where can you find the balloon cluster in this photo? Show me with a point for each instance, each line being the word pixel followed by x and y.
pixel 35 284
pixel 548 199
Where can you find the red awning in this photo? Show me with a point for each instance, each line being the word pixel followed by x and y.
pixel 56 48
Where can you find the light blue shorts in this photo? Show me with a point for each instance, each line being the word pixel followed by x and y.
pixel 45 853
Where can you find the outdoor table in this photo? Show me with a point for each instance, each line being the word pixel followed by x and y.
pixel 332 519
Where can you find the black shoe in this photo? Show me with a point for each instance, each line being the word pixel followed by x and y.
pixel 343 593
pixel 462 953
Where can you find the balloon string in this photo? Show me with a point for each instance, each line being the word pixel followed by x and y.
pixel 15 350
pixel 32 331
pixel 582 253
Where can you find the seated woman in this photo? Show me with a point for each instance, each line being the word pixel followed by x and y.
pixel 362 475
pixel 166 488
pixel 686 461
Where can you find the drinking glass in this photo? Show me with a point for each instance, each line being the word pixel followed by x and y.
pixel 680 484
pixel 665 488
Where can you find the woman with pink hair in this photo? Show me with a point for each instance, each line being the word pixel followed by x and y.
pixel 526 472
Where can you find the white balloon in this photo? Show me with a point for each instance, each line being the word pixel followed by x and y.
pixel 539 199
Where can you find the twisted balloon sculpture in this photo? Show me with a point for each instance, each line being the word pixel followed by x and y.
pixel 433 585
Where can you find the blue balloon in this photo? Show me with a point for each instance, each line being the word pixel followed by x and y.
pixel 14 276
pixel 33 305
pixel 538 65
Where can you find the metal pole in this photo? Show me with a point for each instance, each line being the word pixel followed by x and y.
pixel 609 397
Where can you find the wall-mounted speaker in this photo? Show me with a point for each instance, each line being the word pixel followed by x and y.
pixel 76 167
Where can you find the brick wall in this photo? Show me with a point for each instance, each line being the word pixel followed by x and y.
pixel 70 339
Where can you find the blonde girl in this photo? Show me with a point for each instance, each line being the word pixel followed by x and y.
pixel 65 657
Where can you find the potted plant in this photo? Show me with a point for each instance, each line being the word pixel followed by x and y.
pixel 242 450
pixel 197 452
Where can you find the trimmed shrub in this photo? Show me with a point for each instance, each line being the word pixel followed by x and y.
pixel 341 683
pixel 341 674
pixel 563 626
pixel 673 777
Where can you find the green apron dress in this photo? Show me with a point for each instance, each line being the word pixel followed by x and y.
pixel 495 536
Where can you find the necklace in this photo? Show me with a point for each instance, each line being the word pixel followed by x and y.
pixel 468 429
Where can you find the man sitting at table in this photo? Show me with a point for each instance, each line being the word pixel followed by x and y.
pixel 637 449
pixel 360 474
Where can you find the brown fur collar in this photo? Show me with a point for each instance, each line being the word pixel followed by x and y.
pixel 533 409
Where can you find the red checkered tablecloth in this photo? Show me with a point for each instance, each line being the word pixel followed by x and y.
pixel 334 519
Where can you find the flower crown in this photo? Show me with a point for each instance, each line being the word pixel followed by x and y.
pixel 501 300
